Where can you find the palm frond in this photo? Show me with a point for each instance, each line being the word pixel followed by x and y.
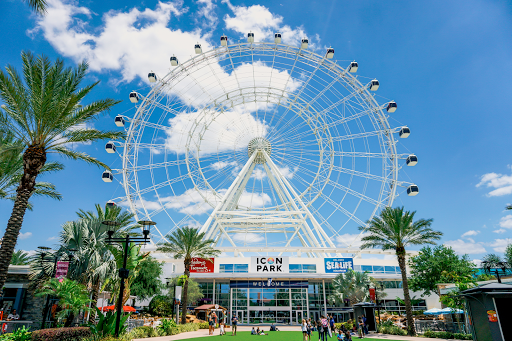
pixel 75 155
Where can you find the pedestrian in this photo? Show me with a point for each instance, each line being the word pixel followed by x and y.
pixel 222 332
pixel 348 337
pixel 234 323
pixel 210 324
pixel 304 328
pixel 365 325
pixel 253 331
pixel 322 328
pixel 360 328
pixel 331 322
pixel 309 329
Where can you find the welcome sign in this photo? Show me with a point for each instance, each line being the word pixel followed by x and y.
pixel 270 265
pixel 338 265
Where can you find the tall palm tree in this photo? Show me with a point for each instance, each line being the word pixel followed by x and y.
pixel 188 243
pixel 20 257
pixel 395 229
pixel 44 111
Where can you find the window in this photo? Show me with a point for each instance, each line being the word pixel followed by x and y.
pixel 241 267
pixel 365 268
pixel 233 268
pixel 302 268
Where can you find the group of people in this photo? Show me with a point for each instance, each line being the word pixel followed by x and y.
pixel 325 326
pixel 212 322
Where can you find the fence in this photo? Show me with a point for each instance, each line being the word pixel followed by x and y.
pixel 439 326
pixel 132 324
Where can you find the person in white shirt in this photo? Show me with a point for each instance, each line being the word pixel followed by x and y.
pixel 13 316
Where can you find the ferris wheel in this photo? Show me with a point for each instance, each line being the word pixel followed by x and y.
pixel 264 146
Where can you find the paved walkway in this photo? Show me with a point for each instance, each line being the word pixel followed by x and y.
pixel 204 333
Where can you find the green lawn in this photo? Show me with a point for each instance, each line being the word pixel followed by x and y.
pixel 272 336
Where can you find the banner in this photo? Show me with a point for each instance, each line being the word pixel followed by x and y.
pixel 270 264
pixel 62 269
pixel 265 284
pixel 372 294
pixel 177 296
pixel 203 266
pixel 338 265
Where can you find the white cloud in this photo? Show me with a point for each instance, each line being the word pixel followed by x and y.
pixel 52 238
pixel 248 237
pixel 506 221
pixel 259 173
pixel 207 11
pixel 350 240
pixel 502 184
pixel 499 245
pixel 466 247
pixel 221 164
pixel 287 172
pixel 470 233
pixel 500 231
pixel 25 235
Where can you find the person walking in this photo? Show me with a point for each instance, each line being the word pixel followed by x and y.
pixel 304 328
pixel 360 329
pixel 234 323
pixel 331 323
pixel 365 325
pixel 310 327
pixel 222 332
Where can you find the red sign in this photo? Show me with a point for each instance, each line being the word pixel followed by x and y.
pixel 200 265
pixel 62 269
pixel 372 294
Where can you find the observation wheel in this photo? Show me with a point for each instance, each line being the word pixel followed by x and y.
pixel 263 146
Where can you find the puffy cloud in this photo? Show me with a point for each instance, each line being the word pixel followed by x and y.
pixel 506 221
pixel 221 164
pixel 350 240
pixel 52 238
pixel 465 247
pixel 25 235
pixel 500 231
pixel 502 184
pixel 499 245
pixel 470 233
pixel 248 237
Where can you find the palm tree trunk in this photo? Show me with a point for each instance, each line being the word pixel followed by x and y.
pixel 184 297
pixel 407 297
pixel 34 159
pixel 94 299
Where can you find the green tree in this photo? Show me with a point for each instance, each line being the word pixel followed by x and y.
pixel 187 243
pixel 73 297
pixel 394 229
pixel 161 305
pixel 430 266
pixel 20 257
pixel 194 293
pixel 353 285
pixel 147 283
pixel 44 111
pixel 453 299
pixel 508 254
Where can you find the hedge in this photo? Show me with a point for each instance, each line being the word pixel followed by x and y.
pixel 447 335
pixel 62 334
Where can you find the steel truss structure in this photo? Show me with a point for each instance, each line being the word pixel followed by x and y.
pixel 262 145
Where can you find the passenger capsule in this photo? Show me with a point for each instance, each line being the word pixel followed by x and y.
pixel 174 61
pixel 152 77
pixel 374 85
pixel 198 48
pixel 250 37
pixel 404 132
pixel 391 107
pixel 304 43
pixel 224 40
pixel 107 176
pixel 353 67
pixel 111 204
pixel 412 160
pixel 330 53
pixel 134 97
pixel 412 190
pixel 110 147
pixel 277 38
pixel 119 120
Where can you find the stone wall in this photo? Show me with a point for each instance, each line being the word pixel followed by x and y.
pixel 32 306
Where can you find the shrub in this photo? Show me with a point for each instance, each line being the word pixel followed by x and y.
pixel 160 305
pixel 21 334
pixel 388 327
pixel 165 327
pixel 188 327
pixel 204 325
pixel 61 334
pixel 447 335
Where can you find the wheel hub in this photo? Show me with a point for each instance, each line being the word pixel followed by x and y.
pixel 256 145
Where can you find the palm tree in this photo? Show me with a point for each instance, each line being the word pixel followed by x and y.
pixel 394 229
pixel 187 243
pixel 44 111
pixel 20 257
pixel 38 6
pixel 352 285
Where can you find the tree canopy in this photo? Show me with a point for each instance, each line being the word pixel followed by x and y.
pixel 147 282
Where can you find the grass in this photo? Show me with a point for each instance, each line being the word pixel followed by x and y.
pixel 272 336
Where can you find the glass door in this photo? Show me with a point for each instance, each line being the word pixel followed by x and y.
pixel 298 315
pixel 240 315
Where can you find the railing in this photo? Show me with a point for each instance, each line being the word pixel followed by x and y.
pixel 132 324
pixel 439 326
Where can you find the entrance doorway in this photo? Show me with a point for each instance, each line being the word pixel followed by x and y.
pixel 240 315
pixel 298 316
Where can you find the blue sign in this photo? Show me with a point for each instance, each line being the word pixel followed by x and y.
pixel 338 265
pixel 268 284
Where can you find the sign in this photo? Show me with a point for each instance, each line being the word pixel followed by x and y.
pixel 372 294
pixel 491 314
pixel 216 306
pixel 62 269
pixel 270 264
pixel 202 266
pixel 265 284
pixel 338 265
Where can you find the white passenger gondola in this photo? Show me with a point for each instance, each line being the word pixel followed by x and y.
pixel 250 37
pixel 119 121
pixel 134 97
pixel 412 160
pixel 404 132
pixel 198 48
pixel 152 77
pixel 412 190
pixel 174 61
pixel 224 40
pixel 391 107
pixel 110 147
pixel 330 53
pixel 107 176
pixel 277 38
pixel 374 85
pixel 353 67
pixel 304 43
pixel 111 204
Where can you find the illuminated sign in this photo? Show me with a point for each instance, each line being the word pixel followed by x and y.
pixel 338 265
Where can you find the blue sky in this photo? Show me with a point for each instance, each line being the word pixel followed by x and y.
pixel 448 66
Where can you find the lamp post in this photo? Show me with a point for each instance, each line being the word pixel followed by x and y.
pixel 174 294
pixel 377 297
pixel 123 272
pixel 500 268
pixel 44 259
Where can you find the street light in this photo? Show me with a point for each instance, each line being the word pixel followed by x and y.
pixel 123 272
pixel 500 268
pixel 44 252
pixel 377 298
pixel 168 284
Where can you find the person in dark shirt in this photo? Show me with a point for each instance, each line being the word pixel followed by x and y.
pixel 234 323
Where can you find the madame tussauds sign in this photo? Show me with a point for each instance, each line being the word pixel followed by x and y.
pixel 270 264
